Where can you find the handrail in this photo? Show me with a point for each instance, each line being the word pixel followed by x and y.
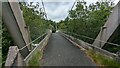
pixel 91 46
pixel 92 38
pixel 32 41
pixel 15 58
pixel 98 48
pixel 42 43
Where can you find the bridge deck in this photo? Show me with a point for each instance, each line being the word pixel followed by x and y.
pixel 60 52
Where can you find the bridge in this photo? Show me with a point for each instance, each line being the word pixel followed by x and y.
pixel 59 48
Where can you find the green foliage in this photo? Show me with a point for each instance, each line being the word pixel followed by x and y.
pixel 34 20
pixel 103 60
pixel 6 42
pixel 0 41
pixel 35 60
pixel 87 20
pixel 116 40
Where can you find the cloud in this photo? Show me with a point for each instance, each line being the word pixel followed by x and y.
pixel 52 0
pixel 116 1
pixel 58 9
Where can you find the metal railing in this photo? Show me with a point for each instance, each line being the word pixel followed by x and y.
pixel 42 36
pixel 18 59
pixel 87 45
pixel 39 47
pixel 90 38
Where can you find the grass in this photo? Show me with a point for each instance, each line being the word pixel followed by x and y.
pixel 35 60
pixel 102 60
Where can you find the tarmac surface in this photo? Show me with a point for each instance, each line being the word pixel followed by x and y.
pixel 61 52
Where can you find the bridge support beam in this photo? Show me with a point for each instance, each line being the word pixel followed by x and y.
pixel 110 27
pixel 14 21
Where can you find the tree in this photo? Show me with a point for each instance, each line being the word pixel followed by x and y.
pixel 87 20
pixel 35 20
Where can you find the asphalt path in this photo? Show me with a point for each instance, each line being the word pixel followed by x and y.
pixel 60 52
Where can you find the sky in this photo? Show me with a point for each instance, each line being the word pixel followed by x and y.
pixel 57 10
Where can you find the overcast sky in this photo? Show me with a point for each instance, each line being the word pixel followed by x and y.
pixel 58 9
